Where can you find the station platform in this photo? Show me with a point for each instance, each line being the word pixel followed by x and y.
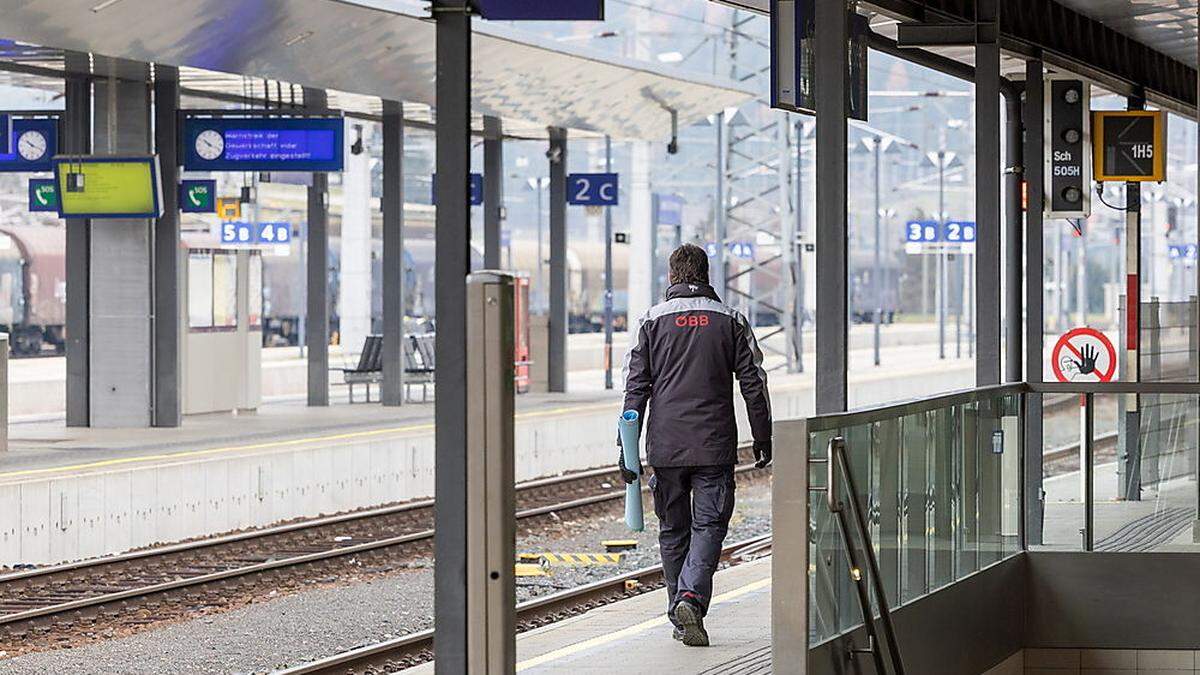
pixel 637 629
pixel 75 493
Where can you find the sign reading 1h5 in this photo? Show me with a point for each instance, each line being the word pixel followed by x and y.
pixel 592 189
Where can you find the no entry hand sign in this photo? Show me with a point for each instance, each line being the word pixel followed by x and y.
pixel 1084 355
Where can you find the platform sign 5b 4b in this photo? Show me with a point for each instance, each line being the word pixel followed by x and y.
pixel 255 234
pixel 1083 355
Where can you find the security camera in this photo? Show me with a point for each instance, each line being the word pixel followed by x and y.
pixel 554 154
pixel 673 146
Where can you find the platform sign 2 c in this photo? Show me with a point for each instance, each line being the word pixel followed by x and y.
pixel 593 189
pixel 1084 355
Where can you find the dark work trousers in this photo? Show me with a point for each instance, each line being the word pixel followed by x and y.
pixel 693 505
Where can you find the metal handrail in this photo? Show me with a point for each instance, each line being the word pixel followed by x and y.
pixel 837 463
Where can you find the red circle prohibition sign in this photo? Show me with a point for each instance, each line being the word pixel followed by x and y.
pixel 1074 352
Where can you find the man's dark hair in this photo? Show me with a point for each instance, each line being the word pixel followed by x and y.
pixel 689 265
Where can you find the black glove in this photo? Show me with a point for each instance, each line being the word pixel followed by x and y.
pixel 626 475
pixel 762 453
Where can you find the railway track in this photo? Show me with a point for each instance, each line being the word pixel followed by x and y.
pixel 200 573
pixel 416 648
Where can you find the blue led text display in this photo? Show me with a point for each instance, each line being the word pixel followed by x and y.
pixel 541 10
pixel 263 144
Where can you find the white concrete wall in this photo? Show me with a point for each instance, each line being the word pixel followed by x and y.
pixel 65 518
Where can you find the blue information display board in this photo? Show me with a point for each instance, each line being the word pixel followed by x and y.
pixel 668 210
pixel 32 145
pixel 260 234
pixel 930 231
pixel 475 198
pixel 541 10
pixel 263 143
pixel 592 189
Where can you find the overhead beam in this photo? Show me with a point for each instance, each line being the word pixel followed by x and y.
pixel 1070 40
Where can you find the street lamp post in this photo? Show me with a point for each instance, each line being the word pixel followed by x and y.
pixel 608 273
pixel 537 185
pixel 877 141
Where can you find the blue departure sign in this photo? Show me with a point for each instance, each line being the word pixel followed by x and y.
pixel 592 189
pixel 474 198
pixel 263 143
pixel 541 10
pixel 256 234
pixel 33 144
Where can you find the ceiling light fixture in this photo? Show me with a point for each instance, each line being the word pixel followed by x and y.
pixel 104 5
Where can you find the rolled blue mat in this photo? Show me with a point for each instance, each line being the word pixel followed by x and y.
pixel 628 426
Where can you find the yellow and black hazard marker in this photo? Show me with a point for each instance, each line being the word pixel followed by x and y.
pixel 615 545
pixel 538 567
pixel 571 560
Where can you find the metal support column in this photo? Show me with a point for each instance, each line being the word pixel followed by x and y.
pixel 558 261
pixel 317 287
pixel 608 277
pixel 393 254
pixel 832 59
pixel 452 264
pixel 1034 259
pixel 987 193
pixel 1129 455
pixel 77 140
pixel 716 275
pixel 493 190
pixel 1014 171
pixel 167 279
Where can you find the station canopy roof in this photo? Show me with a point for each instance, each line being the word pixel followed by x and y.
pixel 361 51
pixel 1121 45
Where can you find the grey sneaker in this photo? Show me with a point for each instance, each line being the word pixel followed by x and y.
pixel 677 633
pixel 688 618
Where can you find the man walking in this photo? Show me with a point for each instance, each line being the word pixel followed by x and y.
pixel 682 361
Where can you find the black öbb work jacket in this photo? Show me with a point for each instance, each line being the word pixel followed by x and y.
pixel 682 362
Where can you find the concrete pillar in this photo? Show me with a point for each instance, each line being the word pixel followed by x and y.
pixel 558 261
pixel 354 291
pixel 120 301
pixel 393 253
pixel 168 273
pixel 317 277
pixel 641 233
pixel 77 139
